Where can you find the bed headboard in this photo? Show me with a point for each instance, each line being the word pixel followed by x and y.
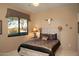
pixel 49 31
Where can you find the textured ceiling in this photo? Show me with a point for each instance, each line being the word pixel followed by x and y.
pixel 42 6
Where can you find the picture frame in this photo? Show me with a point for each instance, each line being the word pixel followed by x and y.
pixel 0 27
pixel 78 27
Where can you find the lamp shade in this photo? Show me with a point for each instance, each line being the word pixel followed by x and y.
pixel 35 29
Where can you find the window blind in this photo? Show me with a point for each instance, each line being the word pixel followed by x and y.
pixel 15 13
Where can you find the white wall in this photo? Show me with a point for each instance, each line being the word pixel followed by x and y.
pixel 62 16
pixel 9 43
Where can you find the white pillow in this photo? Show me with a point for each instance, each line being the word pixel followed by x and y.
pixel 44 38
pixel 38 34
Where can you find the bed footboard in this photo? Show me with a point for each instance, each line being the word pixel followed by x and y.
pixel 54 49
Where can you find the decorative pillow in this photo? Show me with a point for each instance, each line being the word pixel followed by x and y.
pixel 44 36
pixel 38 34
pixel 52 37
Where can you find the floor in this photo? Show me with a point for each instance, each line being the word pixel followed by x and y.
pixel 67 53
pixel 58 53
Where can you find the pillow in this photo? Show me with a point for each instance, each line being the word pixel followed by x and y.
pixel 52 37
pixel 38 34
pixel 44 36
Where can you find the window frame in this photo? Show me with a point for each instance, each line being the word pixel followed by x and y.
pixel 19 33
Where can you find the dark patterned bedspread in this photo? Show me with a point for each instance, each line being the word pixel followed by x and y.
pixel 45 46
pixel 48 44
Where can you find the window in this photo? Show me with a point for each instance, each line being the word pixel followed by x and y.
pixel 17 23
pixel 17 26
pixel 12 26
pixel 23 26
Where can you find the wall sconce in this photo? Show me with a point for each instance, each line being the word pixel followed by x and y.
pixel 49 20
pixel 60 28
pixel 34 30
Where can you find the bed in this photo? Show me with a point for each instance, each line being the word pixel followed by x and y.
pixel 39 47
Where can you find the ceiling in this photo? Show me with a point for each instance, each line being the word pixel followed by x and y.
pixel 42 6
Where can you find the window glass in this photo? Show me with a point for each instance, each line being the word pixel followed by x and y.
pixel 17 26
pixel 12 25
pixel 23 26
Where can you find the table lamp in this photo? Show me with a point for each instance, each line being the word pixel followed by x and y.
pixel 34 30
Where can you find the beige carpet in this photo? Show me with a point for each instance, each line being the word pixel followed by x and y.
pixel 26 52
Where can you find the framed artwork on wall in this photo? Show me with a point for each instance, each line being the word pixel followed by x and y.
pixel 0 27
pixel 78 27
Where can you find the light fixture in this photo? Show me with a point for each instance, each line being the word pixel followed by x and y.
pixel 34 30
pixel 49 20
pixel 36 4
pixel 60 28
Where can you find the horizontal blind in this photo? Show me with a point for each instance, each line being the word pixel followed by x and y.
pixel 14 13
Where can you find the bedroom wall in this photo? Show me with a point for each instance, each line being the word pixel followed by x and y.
pixel 62 16
pixel 10 43
pixel 78 33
